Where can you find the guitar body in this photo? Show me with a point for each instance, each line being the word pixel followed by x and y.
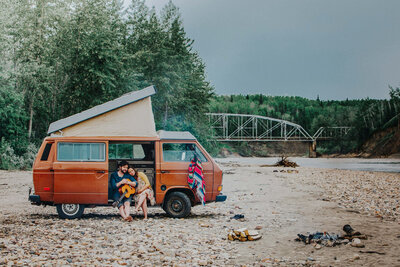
pixel 127 190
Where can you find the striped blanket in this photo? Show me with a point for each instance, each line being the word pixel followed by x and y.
pixel 196 179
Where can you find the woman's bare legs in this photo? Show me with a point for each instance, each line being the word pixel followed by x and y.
pixel 144 208
pixel 142 199
pixel 142 203
pixel 150 196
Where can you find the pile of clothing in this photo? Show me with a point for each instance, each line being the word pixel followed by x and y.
pixel 331 239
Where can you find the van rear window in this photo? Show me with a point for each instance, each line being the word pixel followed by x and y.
pixel 81 151
pixel 46 152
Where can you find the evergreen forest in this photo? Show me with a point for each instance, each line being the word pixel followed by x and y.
pixel 60 57
pixel 365 116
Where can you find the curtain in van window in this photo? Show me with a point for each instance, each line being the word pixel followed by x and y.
pixel 97 151
pixel 65 151
pixel 81 152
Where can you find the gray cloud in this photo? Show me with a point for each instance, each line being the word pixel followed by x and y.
pixel 336 49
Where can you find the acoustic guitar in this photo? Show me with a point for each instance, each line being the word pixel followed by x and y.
pixel 125 191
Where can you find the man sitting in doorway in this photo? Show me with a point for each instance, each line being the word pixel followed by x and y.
pixel 118 179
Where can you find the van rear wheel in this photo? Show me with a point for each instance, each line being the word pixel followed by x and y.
pixel 70 211
pixel 177 205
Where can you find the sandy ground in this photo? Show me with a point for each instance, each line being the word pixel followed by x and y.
pixel 282 203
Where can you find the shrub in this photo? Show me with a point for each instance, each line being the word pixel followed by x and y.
pixel 29 157
pixel 8 159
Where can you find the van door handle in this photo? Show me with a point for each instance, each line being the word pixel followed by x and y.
pixel 100 171
pixel 164 171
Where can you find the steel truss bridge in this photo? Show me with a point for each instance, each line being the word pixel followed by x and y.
pixel 243 127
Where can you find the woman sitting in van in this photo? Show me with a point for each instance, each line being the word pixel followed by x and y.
pixel 144 191
pixel 118 179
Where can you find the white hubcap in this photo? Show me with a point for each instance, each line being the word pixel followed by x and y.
pixel 70 209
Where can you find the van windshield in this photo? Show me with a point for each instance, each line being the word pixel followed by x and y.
pixel 181 152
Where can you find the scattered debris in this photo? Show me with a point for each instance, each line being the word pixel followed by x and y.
pixel 243 234
pixel 238 216
pixel 357 243
pixel 287 171
pixel 319 239
pixel 285 162
pixel 351 233
pixel 373 252
pixel 349 230
pixel 267 165
pixel 353 211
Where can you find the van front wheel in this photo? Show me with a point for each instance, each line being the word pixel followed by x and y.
pixel 177 205
pixel 70 211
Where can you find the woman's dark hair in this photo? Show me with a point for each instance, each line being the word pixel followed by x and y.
pixel 123 163
pixel 136 172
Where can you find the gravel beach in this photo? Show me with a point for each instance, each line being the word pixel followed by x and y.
pixel 279 202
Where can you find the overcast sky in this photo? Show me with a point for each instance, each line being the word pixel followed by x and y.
pixel 336 49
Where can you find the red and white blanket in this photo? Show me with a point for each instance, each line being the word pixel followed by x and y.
pixel 196 179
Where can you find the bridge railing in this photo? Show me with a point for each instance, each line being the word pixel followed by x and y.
pixel 324 133
pixel 244 127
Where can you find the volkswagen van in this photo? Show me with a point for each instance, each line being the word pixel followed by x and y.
pixel 73 173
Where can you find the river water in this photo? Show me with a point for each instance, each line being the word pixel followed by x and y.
pixel 377 165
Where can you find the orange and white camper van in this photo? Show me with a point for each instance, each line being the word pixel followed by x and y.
pixel 73 166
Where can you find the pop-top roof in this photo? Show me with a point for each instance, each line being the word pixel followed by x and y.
pixel 101 109
pixel 173 135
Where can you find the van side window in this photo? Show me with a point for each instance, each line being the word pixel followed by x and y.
pixel 126 151
pixel 46 152
pixel 181 152
pixel 81 151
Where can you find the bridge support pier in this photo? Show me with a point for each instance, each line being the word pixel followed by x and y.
pixel 313 149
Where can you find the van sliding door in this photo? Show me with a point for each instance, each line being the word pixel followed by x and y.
pixel 81 173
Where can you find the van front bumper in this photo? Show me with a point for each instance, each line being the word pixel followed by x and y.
pixel 220 198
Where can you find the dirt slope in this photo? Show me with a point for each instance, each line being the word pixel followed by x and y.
pixel 382 144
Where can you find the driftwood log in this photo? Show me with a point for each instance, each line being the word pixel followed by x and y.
pixel 285 162
pixel 243 234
